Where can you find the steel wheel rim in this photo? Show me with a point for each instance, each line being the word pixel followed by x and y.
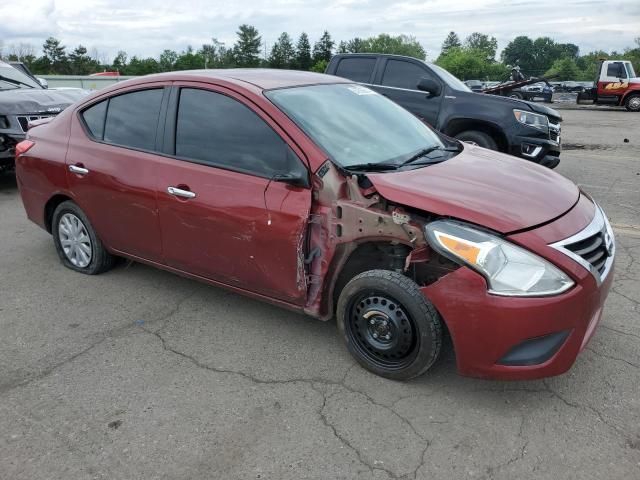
pixel 634 102
pixel 391 346
pixel 75 240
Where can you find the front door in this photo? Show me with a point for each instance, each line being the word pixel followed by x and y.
pixel 223 213
pixel 111 170
pixel 398 81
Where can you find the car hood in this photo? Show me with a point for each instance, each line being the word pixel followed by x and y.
pixel 32 100
pixel 522 104
pixel 494 190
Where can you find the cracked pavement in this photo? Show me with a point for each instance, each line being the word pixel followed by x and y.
pixel 139 373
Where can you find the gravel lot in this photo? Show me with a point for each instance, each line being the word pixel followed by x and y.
pixel 141 374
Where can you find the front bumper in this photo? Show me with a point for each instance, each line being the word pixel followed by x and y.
pixel 519 338
pixel 538 147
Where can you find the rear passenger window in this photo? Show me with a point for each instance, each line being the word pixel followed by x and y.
pixel 217 130
pixel 356 69
pixel 94 117
pixel 401 74
pixel 132 119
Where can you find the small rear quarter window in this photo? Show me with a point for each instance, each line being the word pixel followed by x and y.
pixel 94 117
pixel 358 69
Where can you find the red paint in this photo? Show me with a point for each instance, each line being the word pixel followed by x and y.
pixel 227 236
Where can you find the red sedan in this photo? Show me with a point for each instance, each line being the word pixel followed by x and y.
pixel 322 196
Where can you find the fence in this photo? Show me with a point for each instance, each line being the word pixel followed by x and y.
pixel 81 81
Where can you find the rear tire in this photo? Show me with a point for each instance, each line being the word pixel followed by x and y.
pixel 478 138
pixel 388 325
pixel 516 95
pixel 632 103
pixel 76 241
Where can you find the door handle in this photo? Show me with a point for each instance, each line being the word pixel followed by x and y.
pixel 178 192
pixel 78 170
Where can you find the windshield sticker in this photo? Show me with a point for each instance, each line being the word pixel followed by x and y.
pixel 358 90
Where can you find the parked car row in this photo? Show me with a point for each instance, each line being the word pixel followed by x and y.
pixel 323 195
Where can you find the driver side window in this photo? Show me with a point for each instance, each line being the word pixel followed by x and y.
pixel 216 130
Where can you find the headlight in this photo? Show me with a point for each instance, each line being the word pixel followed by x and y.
pixel 508 269
pixel 531 119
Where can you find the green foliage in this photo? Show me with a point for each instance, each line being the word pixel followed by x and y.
pixel 384 43
pixel 246 50
pixel 282 53
pixel 471 64
pixel 56 56
pixel 563 69
pixel 483 44
pixel 320 66
pixel 452 41
pixel 323 48
pixel 302 59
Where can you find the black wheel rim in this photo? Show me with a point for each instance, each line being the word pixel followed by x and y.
pixel 381 331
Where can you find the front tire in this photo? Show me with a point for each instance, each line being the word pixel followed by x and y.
pixel 388 325
pixel 632 103
pixel 77 243
pixel 475 137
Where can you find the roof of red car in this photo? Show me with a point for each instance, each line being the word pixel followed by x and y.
pixel 264 78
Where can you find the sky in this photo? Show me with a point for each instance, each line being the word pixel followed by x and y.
pixel 146 27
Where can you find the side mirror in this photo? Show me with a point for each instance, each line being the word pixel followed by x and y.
pixel 430 86
pixel 292 179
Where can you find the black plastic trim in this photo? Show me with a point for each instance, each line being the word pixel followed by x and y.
pixel 535 351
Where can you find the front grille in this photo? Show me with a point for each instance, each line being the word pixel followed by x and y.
pixel 554 132
pixel 593 248
pixel 24 120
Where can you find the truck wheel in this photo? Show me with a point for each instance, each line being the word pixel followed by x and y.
pixel 76 241
pixel 632 103
pixel 388 325
pixel 476 137
pixel 516 95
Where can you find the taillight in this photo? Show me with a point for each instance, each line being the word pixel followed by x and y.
pixel 23 147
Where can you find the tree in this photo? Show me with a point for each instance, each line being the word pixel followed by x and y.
pixel 80 63
pixel 120 62
pixel 399 45
pixel 55 55
pixel 355 45
pixel 482 43
pixel 189 60
pixel 302 60
pixel 168 59
pixel 246 51
pixel 452 41
pixel 141 66
pixel 323 48
pixel 519 52
pixel 468 64
pixel 320 66
pixel 282 53
pixel 564 69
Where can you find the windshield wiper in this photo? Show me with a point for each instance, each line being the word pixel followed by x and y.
pixel 426 151
pixel 371 167
pixel 15 82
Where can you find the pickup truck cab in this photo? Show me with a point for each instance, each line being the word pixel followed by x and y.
pixel 616 84
pixel 508 125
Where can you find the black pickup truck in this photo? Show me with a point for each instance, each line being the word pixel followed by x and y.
pixel 517 127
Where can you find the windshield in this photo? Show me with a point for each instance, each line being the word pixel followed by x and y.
pixel 449 79
pixel 353 124
pixel 16 79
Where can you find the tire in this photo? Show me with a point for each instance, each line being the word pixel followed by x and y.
pixel 516 95
pixel 76 241
pixel 388 325
pixel 476 137
pixel 632 103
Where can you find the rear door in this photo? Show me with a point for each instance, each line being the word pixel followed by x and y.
pixel 358 68
pixel 398 78
pixel 223 215
pixel 111 169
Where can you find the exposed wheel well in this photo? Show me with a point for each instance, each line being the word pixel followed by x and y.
pixel 50 207
pixel 461 125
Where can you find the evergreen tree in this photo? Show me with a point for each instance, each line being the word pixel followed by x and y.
pixel 282 52
pixel 303 53
pixel 323 48
pixel 452 41
pixel 56 56
pixel 247 49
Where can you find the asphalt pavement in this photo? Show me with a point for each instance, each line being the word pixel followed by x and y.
pixel 142 374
